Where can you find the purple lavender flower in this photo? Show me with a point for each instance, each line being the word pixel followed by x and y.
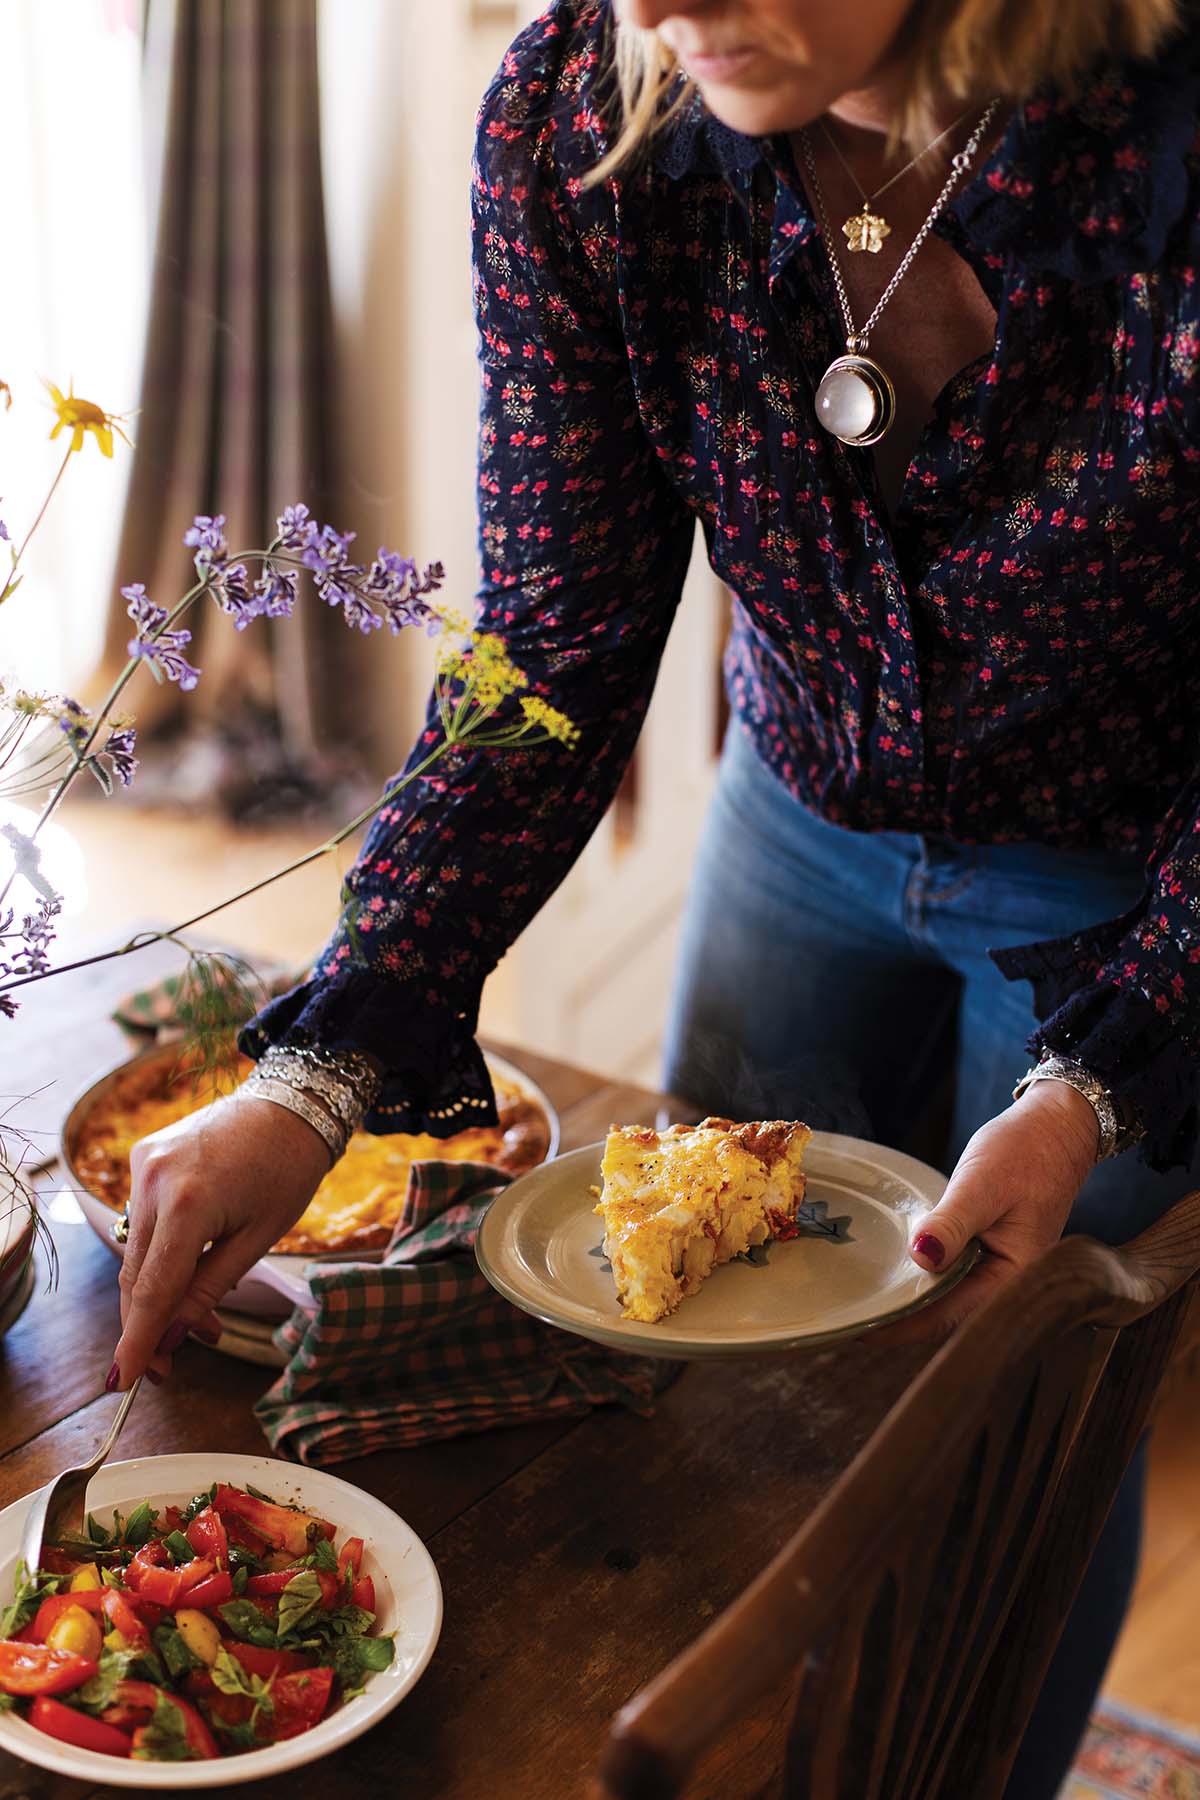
pixel 75 722
pixel 234 596
pixel 8 1006
pixel 393 581
pixel 207 537
pixel 3 530
pixel 118 749
pixel 275 592
pixel 325 553
pixel 160 648
pixel 296 526
pixel 32 956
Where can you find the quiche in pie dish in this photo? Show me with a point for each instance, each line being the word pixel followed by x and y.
pixel 677 1203
pixel 358 1204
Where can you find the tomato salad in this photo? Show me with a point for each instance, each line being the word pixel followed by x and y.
pixel 197 1631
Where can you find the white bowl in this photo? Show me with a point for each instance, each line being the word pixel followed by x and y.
pixel 408 1599
pixel 276 1284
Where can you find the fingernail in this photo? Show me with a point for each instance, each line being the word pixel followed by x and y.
pixel 931 1248
pixel 154 1376
pixel 208 1334
pixel 171 1338
pixel 112 1379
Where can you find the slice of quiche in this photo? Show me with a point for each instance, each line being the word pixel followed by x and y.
pixel 678 1202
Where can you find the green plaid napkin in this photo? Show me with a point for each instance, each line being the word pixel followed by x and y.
pixel 153 1011
pixel 420 1346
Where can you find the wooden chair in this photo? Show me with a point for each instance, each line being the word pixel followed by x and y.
pixel 921 1602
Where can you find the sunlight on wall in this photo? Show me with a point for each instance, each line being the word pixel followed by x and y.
pixel 72 306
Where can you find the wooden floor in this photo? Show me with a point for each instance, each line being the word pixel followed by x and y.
pixel 141 867
pixel 1157 1662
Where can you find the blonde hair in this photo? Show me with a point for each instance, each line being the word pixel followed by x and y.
pixel 965 49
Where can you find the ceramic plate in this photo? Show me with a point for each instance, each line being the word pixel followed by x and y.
pixel 540 1245
pixel 407 1592
pixel 276 1283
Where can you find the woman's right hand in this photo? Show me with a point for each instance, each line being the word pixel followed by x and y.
pixel 235 1176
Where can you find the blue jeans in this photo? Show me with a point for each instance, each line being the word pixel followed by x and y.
pixel 841 977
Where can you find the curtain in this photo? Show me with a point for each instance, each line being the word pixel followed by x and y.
pixel 236 401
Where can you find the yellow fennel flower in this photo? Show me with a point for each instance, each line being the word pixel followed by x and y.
pixel 554 723
pixel 82 416
pixel 485 669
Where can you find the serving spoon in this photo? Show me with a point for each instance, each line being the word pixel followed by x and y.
pixel 60 1503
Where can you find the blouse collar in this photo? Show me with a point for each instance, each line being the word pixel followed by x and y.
pixel 1087 187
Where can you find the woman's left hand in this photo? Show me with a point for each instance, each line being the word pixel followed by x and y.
pixel 1014 1186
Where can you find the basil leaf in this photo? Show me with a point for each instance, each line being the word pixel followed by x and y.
pixel 321 1556
pixel 97 1533
pixel 300 1599
pixel 7 1702
pixel 197 1504
pixel 179 1547
pixel 353 1658
pixel 241 1736
pixel 164 1736
pixel 98 1693
pixel 171 1645
pixel 259 1495
pixel 241 1558
pixel 139 1526
pixel 147 1665
pixel 247 1623
pixel 28 1593
pixel 240 1577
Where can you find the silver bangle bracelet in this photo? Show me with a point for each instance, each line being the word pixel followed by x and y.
pixel 1115 1134
pixel 343 1080
pixel 294 1100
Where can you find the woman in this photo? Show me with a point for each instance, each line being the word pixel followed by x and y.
pixel 937 418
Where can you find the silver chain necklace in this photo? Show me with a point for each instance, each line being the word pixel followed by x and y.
pixel 856 400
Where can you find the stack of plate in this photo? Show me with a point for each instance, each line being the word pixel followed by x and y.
pixel 17 1228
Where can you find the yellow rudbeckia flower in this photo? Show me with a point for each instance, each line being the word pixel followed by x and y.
pixel 82 416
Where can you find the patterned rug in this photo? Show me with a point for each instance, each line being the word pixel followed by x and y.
pixel 1134 1756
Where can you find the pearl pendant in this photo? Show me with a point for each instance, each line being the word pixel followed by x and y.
pixel 856 401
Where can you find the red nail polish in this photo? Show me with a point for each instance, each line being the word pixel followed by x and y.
pixel 931 1248
pixel 154 1376
pixel 113 1377
pixel 171 1338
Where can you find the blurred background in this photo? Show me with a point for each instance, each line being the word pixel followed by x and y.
pixel 249 220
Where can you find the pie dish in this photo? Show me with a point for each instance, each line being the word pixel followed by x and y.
pixel 357 1206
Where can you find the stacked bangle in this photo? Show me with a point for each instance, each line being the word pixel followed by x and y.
pixel 1119 1129
pixel 331 1089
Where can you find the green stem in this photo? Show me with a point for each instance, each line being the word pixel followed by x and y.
pixel 144 938
pixel 62 469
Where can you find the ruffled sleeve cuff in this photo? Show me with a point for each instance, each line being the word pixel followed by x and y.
pixel 435 1077
pixel 1120 1035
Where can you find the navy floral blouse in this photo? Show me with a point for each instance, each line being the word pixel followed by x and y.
pixel 1015 656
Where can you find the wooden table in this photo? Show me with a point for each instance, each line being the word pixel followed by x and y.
pixel 576 1559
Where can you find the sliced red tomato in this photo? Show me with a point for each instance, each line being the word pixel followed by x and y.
pixel 258 1661
pixel 299 1699
pixel 37 1669
pixel 238 1532
pixel 26 1635
pixel 212 1592
pixel 230 1709
pixel 54 1605
pixel 73 1727
pixel 59 1562
pixel 135 1701
pixel 166 1587
pixel 350 1557
pixel 122 1616
pixel 172 1520
pixel 279 1525
pixel 362 1593
pixel 208 1537
pixel 260 1587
